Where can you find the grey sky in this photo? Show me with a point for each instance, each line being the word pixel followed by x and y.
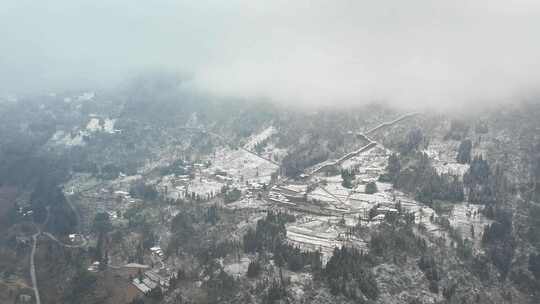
pixel 405 52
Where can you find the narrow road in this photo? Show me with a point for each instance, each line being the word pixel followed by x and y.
pixel 259 156
pixel 35 236
pixel 331 194
pixel 228 142
pixel 33 267
pixel 343 158
pixel 386 124
pixel 52 237
pixel 367 147
pixel 32 257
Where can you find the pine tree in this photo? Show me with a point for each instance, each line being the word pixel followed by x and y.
pixel 371 188
pixel 464 152
pixel 254 268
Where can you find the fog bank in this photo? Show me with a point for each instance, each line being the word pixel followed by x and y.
pixel 407 53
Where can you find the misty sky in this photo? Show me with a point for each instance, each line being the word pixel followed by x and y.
pixel 324 52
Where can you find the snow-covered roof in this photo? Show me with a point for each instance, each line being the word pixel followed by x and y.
pixel 136 265
pixel 378 217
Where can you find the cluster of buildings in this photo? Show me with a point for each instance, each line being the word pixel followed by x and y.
pixel 150 280
pixel 94 267
pixel 156 250
pixel 75 238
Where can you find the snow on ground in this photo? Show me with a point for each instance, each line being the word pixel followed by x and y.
pixel 333 179
pixel 462 216
pixel 242 166
pixel 384 186
pixel 204 187
pixel 373 158
pixel 76 138
pixel 442 151
pixel 356 200
pixel 97 125
pixel 465 215
pixel 247 203
pixel 323 232
pixel 362 203
pixel 239 268
pixel 86 96
pixel 270 151
pixel 173 187
pixel 124 182
pixel 108 125
pixel 422 213
pixel 375 198
pixel 178 187
pixel 80 182
pixel 338 190
pixel 432 154
pixel 320 233
pixel 451 168
pixel 258 138
pixel 295 188
pixel 443 156
pixel 176 193
pixel 67 139
pixel 298 282
pixel 320 195
pixel 93 125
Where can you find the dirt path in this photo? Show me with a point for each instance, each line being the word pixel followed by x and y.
pixel 33 267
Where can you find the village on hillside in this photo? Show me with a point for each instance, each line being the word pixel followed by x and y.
pixel 326 207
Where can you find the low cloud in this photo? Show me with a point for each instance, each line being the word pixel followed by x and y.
pixel 408 53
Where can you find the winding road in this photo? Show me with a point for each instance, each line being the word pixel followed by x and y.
pixel 52 237
pixel 35 236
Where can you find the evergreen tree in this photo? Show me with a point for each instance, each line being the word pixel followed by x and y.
pixel 464 152
pixel 347 178
pixel 347 272
pixel 371 188
pixel 392 169
pixel 534 265
pixel 212 215
pixel 102 223
pixel 254 268
pixel 155 293
pixel 412 143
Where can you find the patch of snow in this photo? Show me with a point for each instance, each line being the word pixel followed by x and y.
pixel 108 125
pixel 93 125
pixel 86 96
pixel 238 269
pixel 452 169
pixel 258 138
